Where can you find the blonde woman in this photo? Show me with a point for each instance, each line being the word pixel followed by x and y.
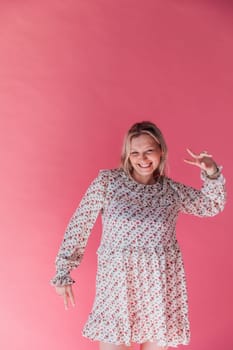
pixel 141 292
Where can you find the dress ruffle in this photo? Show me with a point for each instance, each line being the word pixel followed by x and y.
pixel 141 296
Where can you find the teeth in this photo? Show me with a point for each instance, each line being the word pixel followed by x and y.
pixel 145 166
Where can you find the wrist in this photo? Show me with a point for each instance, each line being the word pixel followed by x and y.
pixel 214 174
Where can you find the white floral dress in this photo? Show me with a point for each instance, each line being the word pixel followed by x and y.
pixel 140 285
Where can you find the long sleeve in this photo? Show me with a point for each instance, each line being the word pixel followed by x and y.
pixel 78 230
pixel 208 201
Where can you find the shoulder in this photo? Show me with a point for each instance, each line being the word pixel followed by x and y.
pixel 110 175
pixel 111 172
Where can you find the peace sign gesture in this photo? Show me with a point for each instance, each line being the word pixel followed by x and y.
pixel 66 292
pixel 204 161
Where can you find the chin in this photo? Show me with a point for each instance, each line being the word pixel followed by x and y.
pixel 144 173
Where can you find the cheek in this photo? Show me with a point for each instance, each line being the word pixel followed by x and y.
pixel 157 159
pixel 132 160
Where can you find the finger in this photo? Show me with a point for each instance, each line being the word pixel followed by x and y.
pixel 71 296
pixel 198 156
pixel 194 155
pixel 65 298
pixel 204 154
pixel 192 162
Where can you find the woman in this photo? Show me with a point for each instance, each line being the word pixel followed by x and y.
pixel 141 292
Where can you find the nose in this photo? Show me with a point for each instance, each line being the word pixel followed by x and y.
pixel 143 156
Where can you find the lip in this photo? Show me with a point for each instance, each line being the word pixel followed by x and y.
pixel 145 166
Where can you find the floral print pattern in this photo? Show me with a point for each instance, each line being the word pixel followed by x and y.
pixel 140 284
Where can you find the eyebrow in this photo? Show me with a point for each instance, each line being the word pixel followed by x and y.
pixel 146 149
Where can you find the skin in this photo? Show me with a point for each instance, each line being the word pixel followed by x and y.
pixel 66 292
pixel 203 161
pixel 145 155
pixel 144 346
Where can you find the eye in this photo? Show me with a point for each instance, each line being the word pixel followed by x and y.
pixel 134 153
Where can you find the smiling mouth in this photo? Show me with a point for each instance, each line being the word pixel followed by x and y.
pixel 145 166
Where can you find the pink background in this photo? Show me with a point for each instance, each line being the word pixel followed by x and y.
pixel 75 75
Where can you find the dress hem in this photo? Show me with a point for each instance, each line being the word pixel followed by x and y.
pixel 129 343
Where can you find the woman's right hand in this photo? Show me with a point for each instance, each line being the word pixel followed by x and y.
pixel 66 292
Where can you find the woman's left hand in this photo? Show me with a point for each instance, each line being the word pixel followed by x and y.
pixel 204 161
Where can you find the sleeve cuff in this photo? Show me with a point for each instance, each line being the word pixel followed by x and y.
pixel 60 281
pixel 217 176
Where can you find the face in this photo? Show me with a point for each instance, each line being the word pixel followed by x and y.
pixel 145 155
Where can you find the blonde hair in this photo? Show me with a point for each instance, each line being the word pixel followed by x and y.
pixel 144 128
